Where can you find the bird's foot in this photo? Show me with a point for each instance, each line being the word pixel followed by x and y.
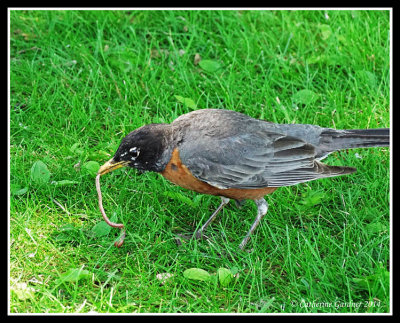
pixel 198 235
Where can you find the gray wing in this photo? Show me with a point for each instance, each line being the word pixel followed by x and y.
pixel 255 160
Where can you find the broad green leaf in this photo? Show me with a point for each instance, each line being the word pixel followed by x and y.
pixel 209 65
pixel 196 274
pixel 39 173
pixel 305 96
pixel 225 276
pixel 375 227
pixel 102 228
pixel 313 198
pixel 16 189
pixel 91 167
pixel 186 101
pixel 74 275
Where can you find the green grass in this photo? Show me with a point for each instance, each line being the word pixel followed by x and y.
pixel 81 80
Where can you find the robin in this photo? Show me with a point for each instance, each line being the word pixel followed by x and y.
pixel 231 155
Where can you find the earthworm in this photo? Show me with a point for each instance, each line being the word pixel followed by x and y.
pixel 105 217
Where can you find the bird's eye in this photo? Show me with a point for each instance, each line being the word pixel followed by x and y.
pixel 134 152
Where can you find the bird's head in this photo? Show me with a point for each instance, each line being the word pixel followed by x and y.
pixel 140 149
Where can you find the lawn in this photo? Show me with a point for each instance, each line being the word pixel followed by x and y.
pixel 81 80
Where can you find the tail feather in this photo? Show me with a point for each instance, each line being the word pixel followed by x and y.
pixel 370 137
pixel 356 138
pixel 329 171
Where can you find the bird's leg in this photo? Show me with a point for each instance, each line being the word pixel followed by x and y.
pixel 224 201
pixel 262 208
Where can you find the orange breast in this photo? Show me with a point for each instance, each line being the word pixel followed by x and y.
pixel 179 174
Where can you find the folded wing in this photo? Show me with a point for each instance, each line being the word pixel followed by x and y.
pixel 253 160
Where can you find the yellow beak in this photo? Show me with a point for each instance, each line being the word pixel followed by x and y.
pixel 110 166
